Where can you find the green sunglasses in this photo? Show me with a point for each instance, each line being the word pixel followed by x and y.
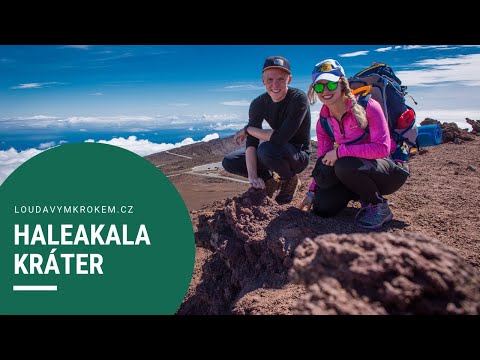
pixel 319 88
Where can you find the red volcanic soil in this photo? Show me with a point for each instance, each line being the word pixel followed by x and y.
pixel 254 256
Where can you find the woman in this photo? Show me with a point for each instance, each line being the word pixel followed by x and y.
pixel 356 166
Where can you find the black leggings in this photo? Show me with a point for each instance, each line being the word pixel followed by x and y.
pixel 353 178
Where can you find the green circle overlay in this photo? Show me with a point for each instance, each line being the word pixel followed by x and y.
pixel 137 278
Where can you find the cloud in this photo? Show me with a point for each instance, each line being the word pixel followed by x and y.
pixel 146 147
pixel 196 120
pixel 219 126
pixel 97 94
pixel 80 47
pixel 12 159
pixel 220 117
pixel 107 119
pixel 209 137
pixel 416 47
pixel 95 122
pixel 244 87
pixel 50 144
pixel 27 86
pixel 114 57
pixel 179 104
pixel 236 103
pixel 34 85
pixel 47 145
pixel 37 117
pixel 125 123
pixel 438 72
pixel 388 48
pixel 356 53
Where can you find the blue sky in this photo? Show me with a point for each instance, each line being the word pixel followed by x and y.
pixel 54 91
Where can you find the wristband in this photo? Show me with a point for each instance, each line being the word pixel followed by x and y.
pixel 245 129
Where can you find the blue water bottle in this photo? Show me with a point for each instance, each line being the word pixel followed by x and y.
pixel 429 135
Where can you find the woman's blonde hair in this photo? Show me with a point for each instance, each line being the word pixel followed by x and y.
pixel 357 110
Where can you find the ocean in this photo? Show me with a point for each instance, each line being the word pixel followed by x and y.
pixel 42 139
pixel 18 146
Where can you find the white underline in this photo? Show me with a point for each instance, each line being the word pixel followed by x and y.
pixel 34 287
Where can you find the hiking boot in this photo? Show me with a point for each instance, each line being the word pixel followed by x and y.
pixel 272 185
pixel 373 216
pixel 288 188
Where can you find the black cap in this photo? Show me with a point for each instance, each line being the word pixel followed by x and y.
pixel 278 62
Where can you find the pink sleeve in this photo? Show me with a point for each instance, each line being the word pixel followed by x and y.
pixel 324 145
pixel 379 145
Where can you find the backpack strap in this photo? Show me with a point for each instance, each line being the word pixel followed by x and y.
pixel 365 89
pixel 363 100
pixel 327 127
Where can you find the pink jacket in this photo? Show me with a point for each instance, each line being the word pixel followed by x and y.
pixel 376 145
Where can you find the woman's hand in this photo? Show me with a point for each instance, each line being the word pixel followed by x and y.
pixel 306 204
pixel 330 157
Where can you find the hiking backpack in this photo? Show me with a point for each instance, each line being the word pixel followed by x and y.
pixel 380 82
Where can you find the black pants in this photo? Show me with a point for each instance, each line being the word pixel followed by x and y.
pixel 286 160
pixel 353 178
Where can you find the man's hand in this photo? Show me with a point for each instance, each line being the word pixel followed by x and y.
pixel 240 137
pixel 306 204
pixel 256 182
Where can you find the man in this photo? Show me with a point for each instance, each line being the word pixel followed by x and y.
pixel 285 149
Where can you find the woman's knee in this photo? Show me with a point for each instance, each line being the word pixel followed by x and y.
pixel 330 202
pixel 346 166
pixel 396 181
pixel 324 175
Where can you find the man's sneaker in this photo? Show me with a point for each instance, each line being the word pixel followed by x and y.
pixel 272 185
pixel 373 216
pixel 288 188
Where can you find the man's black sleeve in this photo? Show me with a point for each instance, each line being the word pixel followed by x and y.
pixel 255 119
pixel 294 116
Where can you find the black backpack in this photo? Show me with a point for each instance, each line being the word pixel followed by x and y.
pixel 380 82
